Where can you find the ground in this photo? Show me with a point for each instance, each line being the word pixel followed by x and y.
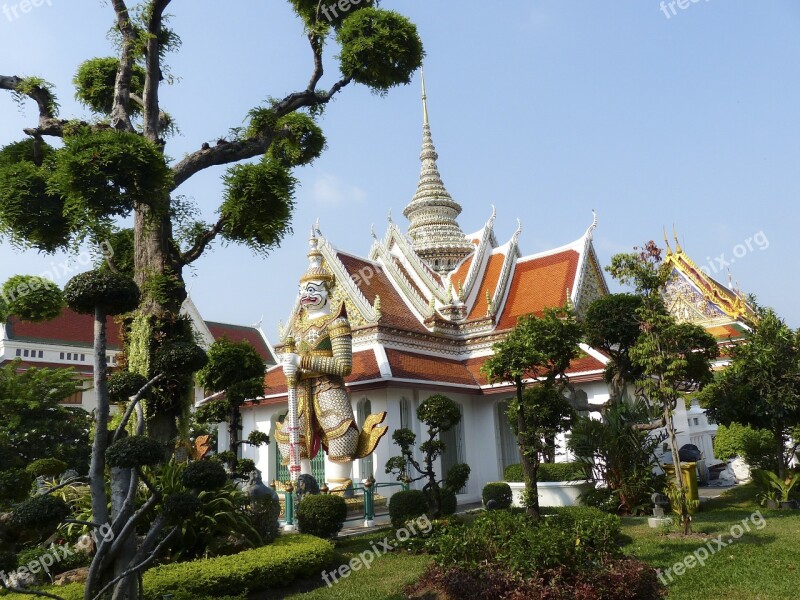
pixel 762 564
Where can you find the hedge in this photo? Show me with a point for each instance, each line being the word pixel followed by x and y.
pixel 276 565
pixel 566 471
pixel 500 492
pixel 286 559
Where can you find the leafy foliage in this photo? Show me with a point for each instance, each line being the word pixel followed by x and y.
pixel 230 364
pixel 565 471
pixel 32 298
pixel 204 475
pixel 46 467
pixel 380 48
pixel 299 141
pixel 30 214
pixel 499 491
pixel 108 173
pixel 258 205
pixel 15 485
pixel 34 424
pixel 406 505
pixel 124 384
pixel 134 451
pixel 761 386
pixel 756 446
pixel 440 414
pixel 621 455
pixel 289 558
pixel 110 292
pixel 321 515
pixel 179 358
pixel 39 513
pixel 95 80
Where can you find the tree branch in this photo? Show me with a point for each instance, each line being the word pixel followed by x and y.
pixel 27 591
pixel 48 123
pixel 201 244
pixel 230 152
pixel 152 113
pixel 120 112
pixel 132 405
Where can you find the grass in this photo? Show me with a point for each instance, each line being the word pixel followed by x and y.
pixel 384 579
pixel 763 564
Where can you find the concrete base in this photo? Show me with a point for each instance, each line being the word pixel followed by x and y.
pixel 656 522
pixel 290 528
pixel 369 523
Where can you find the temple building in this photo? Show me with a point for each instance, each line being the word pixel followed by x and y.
pixel 426 306
pixel 66 343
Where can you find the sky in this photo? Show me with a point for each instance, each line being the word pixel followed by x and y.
pixel 652 116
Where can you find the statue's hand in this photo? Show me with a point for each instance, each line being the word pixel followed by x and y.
pixel 291 362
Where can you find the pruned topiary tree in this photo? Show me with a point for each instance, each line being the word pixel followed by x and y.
pixel 440 414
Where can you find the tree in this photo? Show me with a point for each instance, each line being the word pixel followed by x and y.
pixel 610 324
pixel 761 386
pixel 674 358
pixel 538 348
pixel 440 414
pixel 116 166
pixel 35 425
pixel 236 370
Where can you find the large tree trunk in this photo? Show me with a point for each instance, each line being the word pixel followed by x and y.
pixel 155 260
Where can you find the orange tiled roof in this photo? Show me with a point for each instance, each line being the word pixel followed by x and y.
pixel 394 311
pixel 538 284
pixel 491 276
pixel 408 365
pixel 238 333
pixel 582 364
pixel 69 329
pixel 459 276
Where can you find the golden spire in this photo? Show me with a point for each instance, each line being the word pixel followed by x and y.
pixel 678 248
pixel 666 241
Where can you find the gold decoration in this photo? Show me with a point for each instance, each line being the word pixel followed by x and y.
pixel 371 433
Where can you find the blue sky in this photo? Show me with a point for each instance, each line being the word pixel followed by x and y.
pixel 547 109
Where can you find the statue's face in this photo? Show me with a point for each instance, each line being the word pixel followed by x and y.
pixel 313 295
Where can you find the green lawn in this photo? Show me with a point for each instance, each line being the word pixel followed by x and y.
pixel 763 564
pixel 384 579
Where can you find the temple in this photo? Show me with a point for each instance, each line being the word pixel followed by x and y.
pixel 426 305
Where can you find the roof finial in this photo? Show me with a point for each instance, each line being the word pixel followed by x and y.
pixel 677 243
pixel 593 226
pixel 666 241
pixel 372 231
pixel 424 97
pixel 390 216
pixel 730 279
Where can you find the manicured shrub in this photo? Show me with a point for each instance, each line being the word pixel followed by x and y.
pixel 406 505
pixel 448 502
pixel 204 475
pixel 134 451
pixel 513 473
pixel 754 445
pixel 124 384
pixel 321 515
pixel 566 471
pixel 594 528
pixel 46 467
pixel 180 506
pixel 40 513
pixel 264 514
pixel 32 298
pixel 112 292
pixel 180 358
pixel 274 566
pixel 15 486
pixel 498 491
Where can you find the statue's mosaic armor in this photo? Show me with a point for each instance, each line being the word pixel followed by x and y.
pixel 325 414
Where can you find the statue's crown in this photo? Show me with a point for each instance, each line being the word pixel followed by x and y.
pixel 316 272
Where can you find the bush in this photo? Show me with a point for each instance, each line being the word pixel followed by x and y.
pixel 46 467
pixel 277 565
pixel 134 451
pixel 40 513
pixel 498 491
pixel 204 475
pixel 510 540
pixel 447 502
pixel 755 446
pixel 513 473
pixel 566 471
pixel 407 505
pixel 265 513
pixel 604 499
pixel 616 579
pixel 113 293
pixel 321 515
pixel 15 486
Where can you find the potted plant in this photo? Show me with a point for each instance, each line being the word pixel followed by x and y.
pixel 779 488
